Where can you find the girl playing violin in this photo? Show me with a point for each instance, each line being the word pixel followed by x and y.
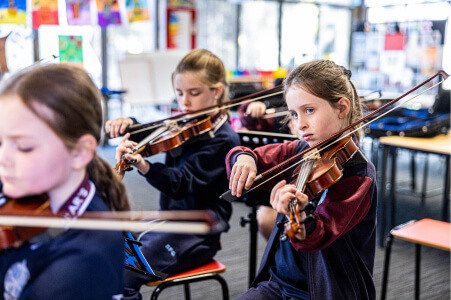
pixel 193 175
pixel 50 126
pixel 332 256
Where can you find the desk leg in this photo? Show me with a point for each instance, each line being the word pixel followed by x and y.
pixel 374 152
pixel 413 171
pixel 445 210
pixel 393 187
pixel 425 179
pixel 382 199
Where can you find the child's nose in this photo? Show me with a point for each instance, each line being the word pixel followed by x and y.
pixel 302 124
pixel 5 159
pixel 184 100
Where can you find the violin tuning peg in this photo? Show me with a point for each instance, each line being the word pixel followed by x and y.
pixel 308 219
pixel 309 207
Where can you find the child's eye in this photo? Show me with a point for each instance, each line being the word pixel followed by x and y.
pixel 294 115
pixel 25 148
pixel 309 110
pixel 195 93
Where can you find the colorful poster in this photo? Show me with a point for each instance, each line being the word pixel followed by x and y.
pixel 78 12
pixel 180 30
pixel 13 11
pixel 181 3
pixel 108 11
pixel 70 49
pixel 137 10
pixel 45 12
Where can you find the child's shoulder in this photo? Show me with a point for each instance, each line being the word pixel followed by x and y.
pixel 359 165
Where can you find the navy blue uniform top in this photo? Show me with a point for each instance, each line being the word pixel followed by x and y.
pixel 74 264
pixel 194 175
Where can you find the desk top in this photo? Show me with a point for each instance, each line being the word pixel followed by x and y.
pixel 440 144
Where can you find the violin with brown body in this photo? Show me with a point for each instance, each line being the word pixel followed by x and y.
pixel 11 236
pixel 167 138
pixel 319 171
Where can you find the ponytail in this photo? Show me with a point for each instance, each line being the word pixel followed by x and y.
pixel 356 110
pixel 108 184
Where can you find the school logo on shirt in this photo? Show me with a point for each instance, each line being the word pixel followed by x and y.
pixel 16 278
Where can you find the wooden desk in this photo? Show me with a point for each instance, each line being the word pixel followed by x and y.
pixel 439 145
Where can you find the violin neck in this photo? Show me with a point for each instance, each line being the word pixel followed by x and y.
pixel 304 173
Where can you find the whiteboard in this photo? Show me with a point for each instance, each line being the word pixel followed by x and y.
pixel 147 76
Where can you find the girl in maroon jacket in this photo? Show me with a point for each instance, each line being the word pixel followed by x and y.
pixel 333 256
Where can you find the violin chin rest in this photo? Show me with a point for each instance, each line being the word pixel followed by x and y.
pixel 228 196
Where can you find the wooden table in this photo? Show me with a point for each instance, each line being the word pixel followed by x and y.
pixel 439 145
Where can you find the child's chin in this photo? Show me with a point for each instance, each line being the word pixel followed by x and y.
pixel 13 193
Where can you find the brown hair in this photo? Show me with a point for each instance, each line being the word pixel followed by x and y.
pixel 75 105
pixel 329 81
pixel 207 66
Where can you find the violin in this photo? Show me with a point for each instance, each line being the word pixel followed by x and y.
pixel 24 218
pixel 166 138
pixel 12 236
pixel 327 165
pixel 319 171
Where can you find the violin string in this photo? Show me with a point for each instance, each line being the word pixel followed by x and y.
pixel 194 115
pixel 337 140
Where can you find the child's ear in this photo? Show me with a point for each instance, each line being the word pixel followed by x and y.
pixel 218 92
pixel 84 151
pixel 344 107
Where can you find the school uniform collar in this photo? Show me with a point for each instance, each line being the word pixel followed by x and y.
pixel 79 201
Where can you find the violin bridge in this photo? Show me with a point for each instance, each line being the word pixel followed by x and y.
pixel 312 154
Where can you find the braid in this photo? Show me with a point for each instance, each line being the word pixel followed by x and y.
pixel 108 184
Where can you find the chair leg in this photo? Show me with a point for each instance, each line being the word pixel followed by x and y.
pixel 388 244
pixel 225 288
pixel 186 281
pixel 417 270
pixel 187 291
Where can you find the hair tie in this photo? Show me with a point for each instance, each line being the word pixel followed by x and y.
pixel 346 72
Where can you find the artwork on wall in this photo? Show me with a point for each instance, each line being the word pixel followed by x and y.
pixel 78 12
pixel 137 10
pixel 108 12
pixel 13 11
pixel 44 12
pixel 71 49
